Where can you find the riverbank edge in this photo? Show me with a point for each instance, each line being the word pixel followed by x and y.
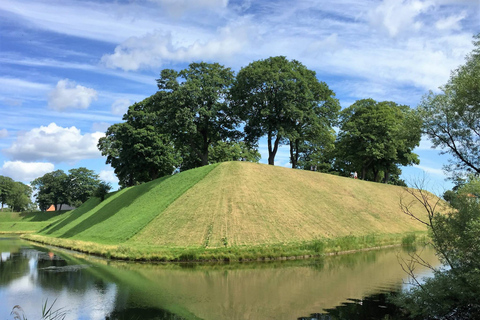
pixel 266 252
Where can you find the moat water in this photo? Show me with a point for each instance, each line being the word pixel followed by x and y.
pixel 85 287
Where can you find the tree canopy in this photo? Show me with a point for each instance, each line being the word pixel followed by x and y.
pixel 16 195
pixel 197 115
pixel 451 118
pixel 283 100
pixel 377 137
pixel 136 148
pixel 59 188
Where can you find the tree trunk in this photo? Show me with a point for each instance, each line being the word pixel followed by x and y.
pixel 272 151
pixel 387 176
pixel 294 155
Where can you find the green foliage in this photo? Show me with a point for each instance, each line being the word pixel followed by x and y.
pixel 19 197
pixel 454 291
pixel 224 151
pixel 15 194
pixel 51 189
pixel 102 190
pixel 136 149
pixel 377 137
pixel 197 115
pixel 6 185
pixel 81 185
pixel 450 118
pixel 284 100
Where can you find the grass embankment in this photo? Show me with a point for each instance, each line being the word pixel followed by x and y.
pixel 26 222
pixel 237 210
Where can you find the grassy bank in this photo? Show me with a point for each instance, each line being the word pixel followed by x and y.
pixel 27 222
pixel 237 211
pixel 293 250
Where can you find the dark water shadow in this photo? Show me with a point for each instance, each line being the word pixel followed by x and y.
pixel 373 307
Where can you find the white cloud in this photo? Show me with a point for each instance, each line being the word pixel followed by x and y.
pixel 108 176
pixel 120 106
pixel 25 171
pixel 430 170
pixel 67 94
pixel 396 16
pixel 451 22
pixel 55 144
pixel 155 49
pixel 3 133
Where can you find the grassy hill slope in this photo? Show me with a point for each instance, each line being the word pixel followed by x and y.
pixel 246 204
pixel 20 222
pixel 234 205
pixel 126 212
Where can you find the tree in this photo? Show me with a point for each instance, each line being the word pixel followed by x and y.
pixel 137 149
pixel 197 114
pixel 19 198
pixel 81 184
pixel 377 137
pixel 6 185
pixel 233 151
pixel 453 292
pixel 281 99
pixel 102 190
pixel 51 189
pixel 451 118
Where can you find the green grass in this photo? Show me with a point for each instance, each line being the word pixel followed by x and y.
pixel 26 222
pixel 237 210
pixel 125 213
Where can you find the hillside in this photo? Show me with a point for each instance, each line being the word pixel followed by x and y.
pixel 237 204
pixel 19 222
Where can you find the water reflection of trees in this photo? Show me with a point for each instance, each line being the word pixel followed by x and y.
pixel 376 306
pixel 13 267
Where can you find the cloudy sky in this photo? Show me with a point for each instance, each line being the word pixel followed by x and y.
pixel 69 69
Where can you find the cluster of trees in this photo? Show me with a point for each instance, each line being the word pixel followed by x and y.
pixel 451 120
pixel 74 188
pixel 16 195
pixel 206 114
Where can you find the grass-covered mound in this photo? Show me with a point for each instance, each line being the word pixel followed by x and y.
pixel 25 222
pixel 220 211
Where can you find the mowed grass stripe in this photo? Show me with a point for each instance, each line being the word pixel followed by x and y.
pixel 122 215
pixel 249 204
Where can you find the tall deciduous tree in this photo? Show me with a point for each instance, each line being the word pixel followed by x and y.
pixel 451 118
pixel 81 185
pixel 198 114
pixel 136 148
pixel 51 189
pixel 19 198
pixel 377 137
pixel 281 99
pixel 6 185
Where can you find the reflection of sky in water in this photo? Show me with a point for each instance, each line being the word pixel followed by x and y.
pixel 26 291
pixel 5 256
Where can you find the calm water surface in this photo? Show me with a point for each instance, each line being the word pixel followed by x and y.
pixel 93 288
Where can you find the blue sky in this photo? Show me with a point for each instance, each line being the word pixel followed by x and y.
pixel 69 69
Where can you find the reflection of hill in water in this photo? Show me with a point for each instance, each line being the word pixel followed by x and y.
pixel 264 290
